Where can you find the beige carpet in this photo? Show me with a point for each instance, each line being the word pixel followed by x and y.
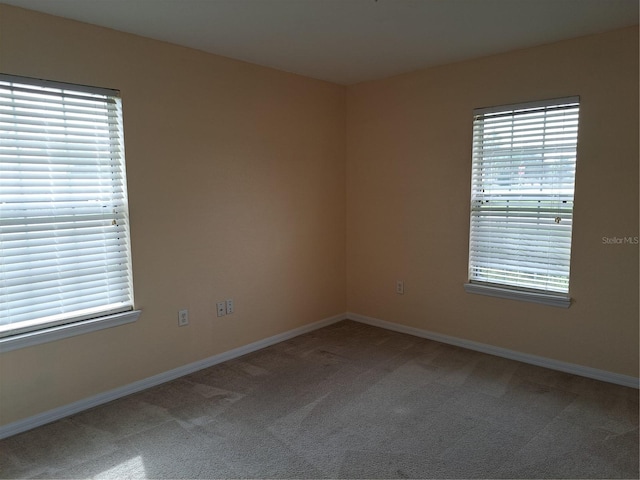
pixel 347 401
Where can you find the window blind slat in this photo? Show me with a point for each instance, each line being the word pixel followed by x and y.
pixel 72 273
pixel 90 288
pixel 72 305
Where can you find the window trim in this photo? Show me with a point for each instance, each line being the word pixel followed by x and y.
pixel 557 299
pixel 37 337
pixel 102 318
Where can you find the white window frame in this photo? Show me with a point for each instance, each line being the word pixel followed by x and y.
pixel 522 196
pixel 65 257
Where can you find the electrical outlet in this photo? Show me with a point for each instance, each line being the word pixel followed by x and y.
pixel 221 307
pixel 400 287
pixel 229 306
pixel 183 317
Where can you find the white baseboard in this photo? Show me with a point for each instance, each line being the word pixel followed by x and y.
pixel 84 404
pixel 583 371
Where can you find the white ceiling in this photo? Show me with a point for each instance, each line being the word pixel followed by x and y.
pixel 350 41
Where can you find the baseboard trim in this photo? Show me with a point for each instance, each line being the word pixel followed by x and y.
pixel 589 372
pixel 90 402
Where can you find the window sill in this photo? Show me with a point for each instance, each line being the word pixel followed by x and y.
pixel 30 339
pixel 559 300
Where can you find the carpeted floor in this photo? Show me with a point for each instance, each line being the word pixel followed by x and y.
pixel 347 401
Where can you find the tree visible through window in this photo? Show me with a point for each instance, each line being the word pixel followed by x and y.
pixel 523 177
pixel 64 229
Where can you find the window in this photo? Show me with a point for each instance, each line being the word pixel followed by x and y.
pixel 523 176
pixel 64 230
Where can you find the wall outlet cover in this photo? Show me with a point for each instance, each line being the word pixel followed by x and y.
pixel 183 317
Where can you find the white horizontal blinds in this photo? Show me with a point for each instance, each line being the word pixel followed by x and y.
pixel 64 253
pixel 524 161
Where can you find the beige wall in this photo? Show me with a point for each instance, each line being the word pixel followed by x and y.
pixel 408 190
pixel 236 179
